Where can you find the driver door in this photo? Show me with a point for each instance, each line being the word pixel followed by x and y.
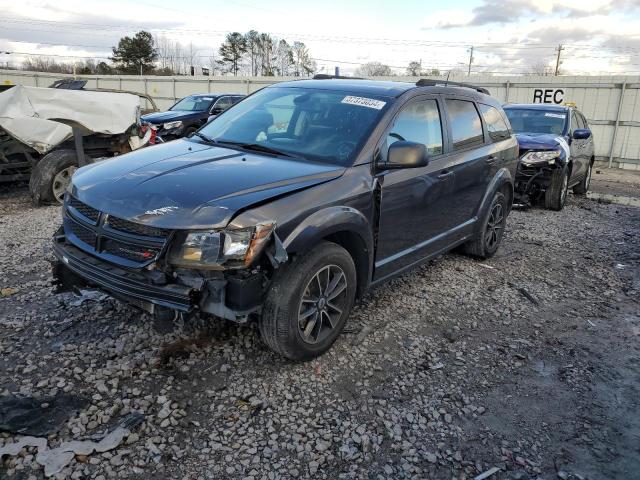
pixel 414 201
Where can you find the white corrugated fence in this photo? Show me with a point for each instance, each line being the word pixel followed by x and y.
pixel 611 104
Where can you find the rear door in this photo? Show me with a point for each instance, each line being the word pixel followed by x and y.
pixel 414 202
pixel 578 148
pixel 590 147
pixel 473 161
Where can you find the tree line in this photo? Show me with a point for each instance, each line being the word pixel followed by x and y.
pixel 253 53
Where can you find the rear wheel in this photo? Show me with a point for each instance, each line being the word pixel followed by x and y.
pixel 487 239
pixel 51 176
pixel 556 195
pixel 583 186
pixel 308 302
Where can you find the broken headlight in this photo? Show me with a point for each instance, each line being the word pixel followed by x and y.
pixel 540 157
pixel 233 248
pixel 172 125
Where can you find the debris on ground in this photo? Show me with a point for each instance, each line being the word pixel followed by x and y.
pixel 54 460
pixel 487 474
pixel 82 296
pixel 38 416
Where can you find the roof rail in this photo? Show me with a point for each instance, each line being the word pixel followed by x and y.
pixel 426 82
pixel 324 76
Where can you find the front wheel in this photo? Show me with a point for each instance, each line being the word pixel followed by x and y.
pixel 556 194
pixel 487 238
pixel 308 302
pixel 51 176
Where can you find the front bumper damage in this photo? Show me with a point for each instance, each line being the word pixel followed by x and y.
pixel 531 181
pixel 230 295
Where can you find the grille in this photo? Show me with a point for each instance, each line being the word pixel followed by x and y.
pixel 129 251
pixel 84 209
pixel 135 228
pixel 84 234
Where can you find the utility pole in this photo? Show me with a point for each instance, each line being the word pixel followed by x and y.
pixel 559 49
pixel 470 60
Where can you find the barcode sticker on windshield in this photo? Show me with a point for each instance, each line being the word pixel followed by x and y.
pixel 364 102
pixel 554 115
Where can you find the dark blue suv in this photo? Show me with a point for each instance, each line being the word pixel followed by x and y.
pixel 556 152
pixel 189 114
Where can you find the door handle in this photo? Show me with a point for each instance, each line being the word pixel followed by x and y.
pixel 445 174
pixel 491 159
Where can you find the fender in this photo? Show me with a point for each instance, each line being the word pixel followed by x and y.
pixel 502 177
pixel 326 222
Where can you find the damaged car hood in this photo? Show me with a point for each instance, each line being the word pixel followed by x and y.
pixel 172 116
pixel 539 141
pixel 188 185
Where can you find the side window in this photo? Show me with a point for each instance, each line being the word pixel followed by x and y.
pixel 575 121
pixel 583 120
pixel 496 125
pixel 419 122
pixel 466 127
pixel 282 110
pixel 223 103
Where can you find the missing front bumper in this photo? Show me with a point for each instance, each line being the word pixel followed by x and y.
pixel 232 298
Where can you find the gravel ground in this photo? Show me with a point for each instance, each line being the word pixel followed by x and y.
pixel 527 362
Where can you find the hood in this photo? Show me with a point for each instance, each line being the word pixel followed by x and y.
pixel 539 141
pixel 188 185
pixel 172 116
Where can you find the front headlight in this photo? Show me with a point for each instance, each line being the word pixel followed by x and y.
pixel 233 248
pixel 539 157
pixel 172 125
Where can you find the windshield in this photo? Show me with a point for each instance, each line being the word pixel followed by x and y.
pixel 193 104
pixel 536 121
pixel 319 125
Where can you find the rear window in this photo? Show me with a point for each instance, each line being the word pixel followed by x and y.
pixel 496 125
pixel 466 127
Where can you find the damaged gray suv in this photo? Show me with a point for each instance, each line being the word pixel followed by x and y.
pixel 293 203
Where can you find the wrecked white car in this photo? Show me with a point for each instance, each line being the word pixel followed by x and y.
pixel 46 134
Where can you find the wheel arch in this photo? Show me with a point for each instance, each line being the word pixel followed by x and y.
pixel 344 226
pixel 502 181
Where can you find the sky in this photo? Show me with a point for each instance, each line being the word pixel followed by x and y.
pixel 509 36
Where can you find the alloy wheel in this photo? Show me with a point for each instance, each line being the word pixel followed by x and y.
pixel 61 182
pixel 494 226
pixel 323 301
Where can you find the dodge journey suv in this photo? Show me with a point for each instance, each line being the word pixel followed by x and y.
pixel 292 203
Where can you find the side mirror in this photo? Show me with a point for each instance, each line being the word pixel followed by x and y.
pixel 581 133
pixel 406 155
pixel 215 111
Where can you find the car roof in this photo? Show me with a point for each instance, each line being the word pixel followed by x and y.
pixel 212 95
pixel 384 88
pixel 537 106
pixel 374 87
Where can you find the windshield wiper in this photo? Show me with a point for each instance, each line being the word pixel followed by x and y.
pixel 205 138
pixel 256 147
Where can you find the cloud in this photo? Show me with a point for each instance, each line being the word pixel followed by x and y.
pixel 511 11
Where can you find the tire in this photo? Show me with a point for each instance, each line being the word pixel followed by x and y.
pixel 583 186
pixel 486 240
pixel 556 194
pixel 49 175
pixel 285 320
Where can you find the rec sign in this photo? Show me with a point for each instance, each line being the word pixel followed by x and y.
pixel 548 95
